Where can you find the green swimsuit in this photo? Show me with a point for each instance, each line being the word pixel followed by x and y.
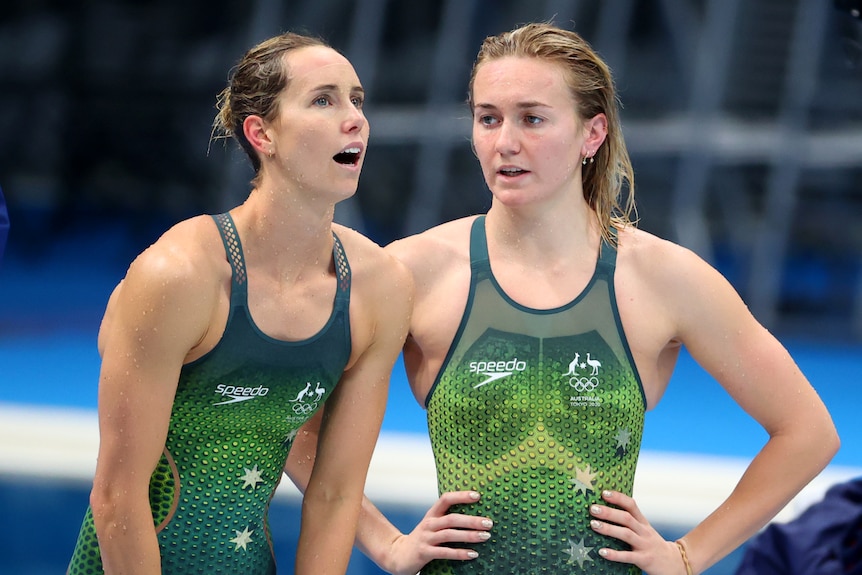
pixel 539 411
pixel 236 412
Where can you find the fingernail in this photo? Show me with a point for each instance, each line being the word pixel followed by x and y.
pixel 474 495
pixel 606 493
pixel 596 510
pixel 603 552
pixel 487 523
pixel 472 554
pixel 484 535
pixel 595 524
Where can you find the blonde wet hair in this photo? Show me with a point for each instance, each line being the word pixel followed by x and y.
pixel 592 88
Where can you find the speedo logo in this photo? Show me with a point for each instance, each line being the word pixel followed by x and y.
pixel 236 394
pixel 494 370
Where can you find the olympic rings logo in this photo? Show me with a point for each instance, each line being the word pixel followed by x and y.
pixel 304 408
pixel 584 384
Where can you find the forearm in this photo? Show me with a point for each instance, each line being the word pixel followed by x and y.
pixel 781 469
pixel 374 532
pixel 375 535
pixel 127 541
pixel 327 534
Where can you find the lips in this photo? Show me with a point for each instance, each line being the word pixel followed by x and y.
pixel 511 171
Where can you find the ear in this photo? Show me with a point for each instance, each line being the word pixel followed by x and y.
pixel 255 131
pixel 595 131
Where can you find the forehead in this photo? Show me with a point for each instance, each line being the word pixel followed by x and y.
pixel 312 66
pixel 519 77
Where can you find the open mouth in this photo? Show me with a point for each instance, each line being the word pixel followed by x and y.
pixel 512 171
pixel 348 157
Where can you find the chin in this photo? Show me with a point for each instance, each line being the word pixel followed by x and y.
pixel 345 194
pixel 512 198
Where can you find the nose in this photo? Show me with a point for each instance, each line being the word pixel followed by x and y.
pixel 508 141
pixel 355 120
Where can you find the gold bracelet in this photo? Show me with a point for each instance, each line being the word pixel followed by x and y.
pixel 685 562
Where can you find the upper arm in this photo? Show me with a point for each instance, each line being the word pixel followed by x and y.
pixel 724 337
pixel 439 261
pixel 354 412
pixel 154 317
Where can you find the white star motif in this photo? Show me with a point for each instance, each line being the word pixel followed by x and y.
pixel 578 552
pixel 242 538
pixel 583 480
pixel 251 478
pixel 623 437
pixel 291 436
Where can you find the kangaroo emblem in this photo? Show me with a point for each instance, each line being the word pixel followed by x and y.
pixel 301 395
pixel 573 365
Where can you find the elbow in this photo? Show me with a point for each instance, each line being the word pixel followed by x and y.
pixel 112 506
pixel 824 441
pixel 103 507
pixel 336 496
pixel 330 498
pixel 832 442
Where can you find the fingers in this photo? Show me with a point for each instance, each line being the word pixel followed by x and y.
pixel 450 498
pixel 440 527
pixel 449 536
pixel 451 553
pixel 625 522
pixel 615 531
pixel 624 513
pixel 443 535
pixel 617 522
pixel 623 501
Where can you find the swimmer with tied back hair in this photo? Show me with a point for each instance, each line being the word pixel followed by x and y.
pixel 219 327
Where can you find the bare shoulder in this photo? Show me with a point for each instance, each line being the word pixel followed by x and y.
pixel 671 285
pixel 186 264
pixel 431 253
pixel 172 286
pixel 659 263
pixel 189 250
pixel 372 267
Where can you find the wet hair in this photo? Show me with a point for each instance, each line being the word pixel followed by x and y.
pixel 254 86
pixel 592 87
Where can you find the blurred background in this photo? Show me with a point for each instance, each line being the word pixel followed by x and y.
pixel 743 120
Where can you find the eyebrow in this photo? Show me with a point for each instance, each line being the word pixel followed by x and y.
pixel 520 105
pixel 334 88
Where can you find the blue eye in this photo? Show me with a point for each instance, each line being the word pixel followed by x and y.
pixel 321 101
pixel 533 120
pixel 358 101
pixel 487 120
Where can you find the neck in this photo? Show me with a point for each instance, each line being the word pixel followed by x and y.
pixel 552 235
pixel 284 232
